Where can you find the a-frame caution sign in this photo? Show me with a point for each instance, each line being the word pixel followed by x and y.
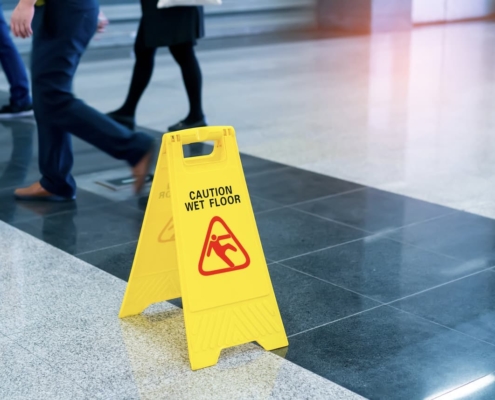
pixel 199 239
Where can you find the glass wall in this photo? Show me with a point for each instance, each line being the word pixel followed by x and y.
pixel 451 10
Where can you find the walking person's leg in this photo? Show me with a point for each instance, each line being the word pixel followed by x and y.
pixel 15 71
pixel 141 76
pixel 61 34
pixel 185 56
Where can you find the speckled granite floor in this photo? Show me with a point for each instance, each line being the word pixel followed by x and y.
pixel 60 338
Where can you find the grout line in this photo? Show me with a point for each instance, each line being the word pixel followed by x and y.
pixel 270 210
pixel 441 325
pixel 331 283
pixel 424 249
pixel 337 320
pixel 104 248
pixel 290 206
pixel 371 234
pixel 440 285
pixel 278 169
pixel 425 221
pixel 331 220
pixel 281 263
pixel 318 250
pixel 460 387
pixel 384 233
pixel 327 197
pixel 277 207
pixel 56 214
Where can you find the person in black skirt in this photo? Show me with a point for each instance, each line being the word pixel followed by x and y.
pixel 177 28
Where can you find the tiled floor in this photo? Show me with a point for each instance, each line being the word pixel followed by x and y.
pixel 389 296
pixel 385 295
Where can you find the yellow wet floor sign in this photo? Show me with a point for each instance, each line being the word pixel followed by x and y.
pixel 199 239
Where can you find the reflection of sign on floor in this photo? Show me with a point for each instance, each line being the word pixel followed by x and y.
pixel 167 234
pixel 121 183
pixel 222 251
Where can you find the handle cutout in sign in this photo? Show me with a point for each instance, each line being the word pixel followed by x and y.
pixel 222 251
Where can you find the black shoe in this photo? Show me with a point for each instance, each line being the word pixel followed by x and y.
pixel 126 120
pixel 10 111
pixel 182 125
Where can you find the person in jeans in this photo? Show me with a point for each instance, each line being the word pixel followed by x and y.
pixel 177 28
pixel 62 31
pixel 20 100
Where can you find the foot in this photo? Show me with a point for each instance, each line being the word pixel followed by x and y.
pixel 182 125
pixel 36 192
pixel 10 111
pixel 142 170
pixel 127 120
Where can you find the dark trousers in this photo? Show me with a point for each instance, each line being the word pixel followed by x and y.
pixel 13 66
pixel 62 31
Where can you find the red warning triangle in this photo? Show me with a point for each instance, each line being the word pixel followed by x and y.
pixel 220 247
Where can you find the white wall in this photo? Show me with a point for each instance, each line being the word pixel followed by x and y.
pixel 450 10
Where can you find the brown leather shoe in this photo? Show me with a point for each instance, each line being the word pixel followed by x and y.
pixel 141 170
pixel 36 192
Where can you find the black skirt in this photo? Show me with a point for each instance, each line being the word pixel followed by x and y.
pixel 170 26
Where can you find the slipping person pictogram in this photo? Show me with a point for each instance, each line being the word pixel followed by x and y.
pixel 168 233
pixel 221 249
pixel 214 242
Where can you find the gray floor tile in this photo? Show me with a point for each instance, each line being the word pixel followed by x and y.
pixel 287 233
pixel 86 230
pixel 255 165
pixel 14 211
pixel 17 141
pixel 115 260
pixel 462 235
pixel 262 205
pixel 292 185
pixel 13 176
pixel 467 305
pixel 374 210
pixel 387 354
pixel 306 302
pixel 383 269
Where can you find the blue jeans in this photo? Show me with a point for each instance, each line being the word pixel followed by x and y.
pixel 13 66
pixel 62 31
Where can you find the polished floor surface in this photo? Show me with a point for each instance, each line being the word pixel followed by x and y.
pixel 383 295
pixel 405 112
